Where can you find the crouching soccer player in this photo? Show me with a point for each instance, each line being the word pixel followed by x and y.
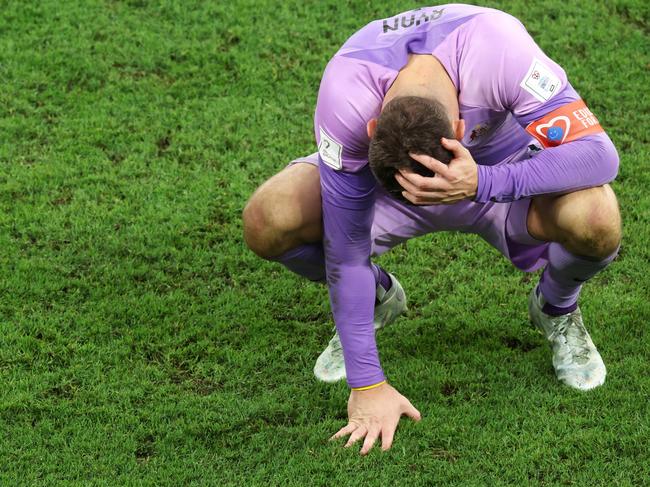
pixel 442 118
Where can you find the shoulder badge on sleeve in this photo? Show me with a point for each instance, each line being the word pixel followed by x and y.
pixel 330 151
pixel 567 123
pixel 540 81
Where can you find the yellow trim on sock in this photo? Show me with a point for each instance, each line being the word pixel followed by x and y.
pixel 366 388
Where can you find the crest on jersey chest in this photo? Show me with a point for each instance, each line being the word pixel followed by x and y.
pixel 481 124
pixel 478 132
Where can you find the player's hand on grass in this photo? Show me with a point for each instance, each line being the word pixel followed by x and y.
pixel 374 413
pixel 454 182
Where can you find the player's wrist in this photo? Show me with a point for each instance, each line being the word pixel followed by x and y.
pixel 483 184
pixel 474 182
pixel 369 387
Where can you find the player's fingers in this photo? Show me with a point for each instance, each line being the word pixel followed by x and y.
pixel 408 196
pixel 450 199
pixel 454 146
pixel 411 412
pixel 387 435
pixel 420 185
pixel 416 200
pixel 406 181
pixel 346 430
pixel 430 163
pixel 371 438
pixel 422 200
pixel 356 435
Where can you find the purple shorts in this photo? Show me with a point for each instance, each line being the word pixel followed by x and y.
pixel 502 225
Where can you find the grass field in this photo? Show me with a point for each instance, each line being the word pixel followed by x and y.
pixel 141 343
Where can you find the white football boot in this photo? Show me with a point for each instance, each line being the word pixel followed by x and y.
pixel 576 361
pixel 330 366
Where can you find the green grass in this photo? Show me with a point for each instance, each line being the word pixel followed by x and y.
pixel 141 343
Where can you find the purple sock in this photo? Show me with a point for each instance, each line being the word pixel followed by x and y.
pixel 381 277
pixel 308 260
pixel 563 278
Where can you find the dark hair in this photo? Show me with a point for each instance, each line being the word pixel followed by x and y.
pixel 408 124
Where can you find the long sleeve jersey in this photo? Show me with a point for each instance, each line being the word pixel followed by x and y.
pixel 505 84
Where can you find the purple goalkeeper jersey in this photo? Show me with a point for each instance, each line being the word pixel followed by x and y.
pixel 504 81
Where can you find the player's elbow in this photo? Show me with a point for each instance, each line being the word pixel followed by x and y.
pixel 608 159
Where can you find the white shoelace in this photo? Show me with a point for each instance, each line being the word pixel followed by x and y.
pixel 575 336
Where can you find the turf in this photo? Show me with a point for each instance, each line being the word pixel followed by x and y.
pixel 141 343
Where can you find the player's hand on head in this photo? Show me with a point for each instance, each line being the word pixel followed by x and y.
pixel 375 413
pixel 452 183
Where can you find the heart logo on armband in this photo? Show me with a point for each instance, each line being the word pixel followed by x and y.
pixel 556 130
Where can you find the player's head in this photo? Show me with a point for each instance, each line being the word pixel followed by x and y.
pixel 407 124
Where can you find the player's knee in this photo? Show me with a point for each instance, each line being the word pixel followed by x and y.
pixel 253 224
pixel 284 212
pixel 257 229
pixel 266 224
pixel 601 228
pixel 605 235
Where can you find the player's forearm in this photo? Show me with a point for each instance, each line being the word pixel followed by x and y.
pixel 352 296
pixel 348 207
pixel 584 163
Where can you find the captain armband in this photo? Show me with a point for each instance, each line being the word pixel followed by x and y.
pixel 567 123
